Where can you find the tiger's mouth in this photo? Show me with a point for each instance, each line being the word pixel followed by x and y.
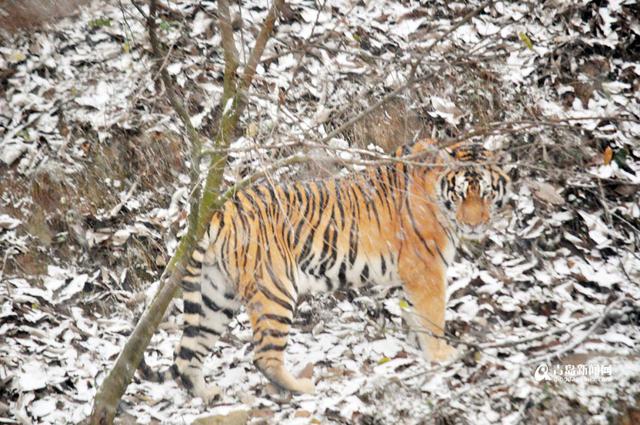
pixel 472 233
pixel 476 237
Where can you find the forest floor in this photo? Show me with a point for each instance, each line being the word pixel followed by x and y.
pixel 94 195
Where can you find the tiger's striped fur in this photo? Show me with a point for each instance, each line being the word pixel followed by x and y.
pixel 388 224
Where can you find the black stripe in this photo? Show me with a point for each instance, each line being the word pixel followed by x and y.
pixel 441 256
pixel 270 296
pixel 271 347
pixel 209 330
pixel 271 333
pixel 306 255
pixel 276 318
pixel 192 308
pixel 342 275
pixel 364 274
pixel 415 229
pixel 190 331
pixel 338 203
pixel 212 242
pixel 223 250
pixel 209 303
pixel 278 284
pixel 190 286
pixel 195 263
pixel 353 241
pixel 186 381
pixel 274 333
pixel 188 354
pixel 301 222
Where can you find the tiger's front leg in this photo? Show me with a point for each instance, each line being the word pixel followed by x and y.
pixel 426 286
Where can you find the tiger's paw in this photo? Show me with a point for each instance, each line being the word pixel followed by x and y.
pixel 305 386
pixel 208 393
pixel 444 352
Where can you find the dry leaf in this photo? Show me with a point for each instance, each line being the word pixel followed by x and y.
pixel 240 417
pixel 546 192
pixel 607 155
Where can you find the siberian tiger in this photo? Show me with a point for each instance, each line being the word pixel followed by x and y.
pixel 395 223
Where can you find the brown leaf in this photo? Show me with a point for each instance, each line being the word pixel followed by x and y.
pixel 545 192
pixel 607 155
pixel 302 414
pixel 239 417
pixel 261 413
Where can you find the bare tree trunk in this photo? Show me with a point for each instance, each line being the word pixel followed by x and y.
pixel 115 384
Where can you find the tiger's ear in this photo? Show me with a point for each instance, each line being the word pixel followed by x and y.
pixel 446 155
pixel 425 145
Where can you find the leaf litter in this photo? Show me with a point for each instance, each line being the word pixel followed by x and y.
pixel 567 248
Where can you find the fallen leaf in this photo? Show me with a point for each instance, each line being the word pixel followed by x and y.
pixel 526 40
pixel 546 192
pixel 302 414
pixel 239 417
pixel 607 155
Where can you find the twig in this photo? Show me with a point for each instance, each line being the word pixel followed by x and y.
pixel 542 335
pixel 115 210
pixel 411 80
pixel 228 41
pixel 582 338
pixel 295 159
pixel 261 42
pixel 192 133
pixel 475 12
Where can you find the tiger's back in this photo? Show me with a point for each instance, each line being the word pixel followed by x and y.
pixel 327 234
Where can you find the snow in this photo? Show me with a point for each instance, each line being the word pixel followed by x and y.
pixel 555 257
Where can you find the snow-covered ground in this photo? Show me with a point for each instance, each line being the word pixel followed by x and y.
pixel 555 85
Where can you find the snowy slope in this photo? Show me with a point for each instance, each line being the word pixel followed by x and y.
pixel 553 84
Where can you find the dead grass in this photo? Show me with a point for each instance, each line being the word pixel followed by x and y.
pixel 17 15
pixel 389 127
pixel 49 197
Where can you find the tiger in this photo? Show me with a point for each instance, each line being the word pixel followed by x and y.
pixel 398 222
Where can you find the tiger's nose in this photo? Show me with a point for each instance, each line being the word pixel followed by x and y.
pixel 473 212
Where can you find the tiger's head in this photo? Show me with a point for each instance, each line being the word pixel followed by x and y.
pixel 470 188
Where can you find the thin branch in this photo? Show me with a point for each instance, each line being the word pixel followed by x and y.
pixel 261 42
pixel 238 186
pixel 168 82
pixel 566 329
pixel 581 339
pixel 410 81
pixel 228 40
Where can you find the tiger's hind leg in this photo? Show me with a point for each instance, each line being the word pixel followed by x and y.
pixel 271 313
pixel 207 313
